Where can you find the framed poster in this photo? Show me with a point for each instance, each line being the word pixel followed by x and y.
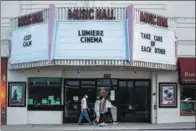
pixel 16 94
pixel 167 95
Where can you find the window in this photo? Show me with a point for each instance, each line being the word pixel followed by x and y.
pixel 188 100
pixel 123 84
pixel 72 84
pixel 114 82
pixel 141 83
pixel 104 83
pixel 44 94
pixel 88 84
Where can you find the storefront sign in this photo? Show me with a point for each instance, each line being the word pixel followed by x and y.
pixel 90 40
pixel 91 36
pixel 187 70
pixel 30 19
pixel 29 44
pixel 153 44
pixel 91 14
pixel 153 19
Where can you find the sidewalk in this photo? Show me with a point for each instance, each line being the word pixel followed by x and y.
pixel 120 126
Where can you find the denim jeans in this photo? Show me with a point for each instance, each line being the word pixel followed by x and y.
pixel 84 114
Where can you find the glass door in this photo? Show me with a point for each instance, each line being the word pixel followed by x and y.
pixel 133 101
pixel 142 101
pixel 72 99
pixel 125 101
pixel 74 92
pixel 88 86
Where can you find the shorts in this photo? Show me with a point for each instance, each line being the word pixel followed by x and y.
pixel 97 114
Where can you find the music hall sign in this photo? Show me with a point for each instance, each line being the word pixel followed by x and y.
pixel 91 14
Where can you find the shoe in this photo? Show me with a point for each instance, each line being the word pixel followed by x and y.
pixel 114 123
pixel 102 124
pixel 90 123
pixel 105 124
pixel 80 124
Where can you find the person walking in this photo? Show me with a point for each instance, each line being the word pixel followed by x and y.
pixel 103 111
pixel 96 109
pixel 84 112
pixel 109 113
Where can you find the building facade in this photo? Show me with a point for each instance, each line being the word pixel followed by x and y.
pixel 57 54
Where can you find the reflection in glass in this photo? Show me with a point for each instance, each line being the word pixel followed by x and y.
pixel 88 84
pixel 188 99
pixel 72 84
pixel 104 83
pixel 142 83
pixel 114 82
pixel 123 84
pixel 130 84
pixel 44 94
pixel 187 106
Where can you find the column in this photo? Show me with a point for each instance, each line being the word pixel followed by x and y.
pixel 154 95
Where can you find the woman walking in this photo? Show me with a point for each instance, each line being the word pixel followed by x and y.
pixel 96 109
pixel 109 107
pixel 103 111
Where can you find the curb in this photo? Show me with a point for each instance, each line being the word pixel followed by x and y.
pixel 170 129
pixel 97 129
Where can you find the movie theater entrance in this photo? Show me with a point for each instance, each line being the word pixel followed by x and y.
pixel 131 97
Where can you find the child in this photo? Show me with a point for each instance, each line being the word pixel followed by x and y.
pixel 96 109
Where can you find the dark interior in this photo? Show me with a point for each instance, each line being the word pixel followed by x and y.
pixel 132 98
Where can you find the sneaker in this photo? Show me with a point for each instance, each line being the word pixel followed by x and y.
pixel 102 124
pixel 114 123
pixel 90 123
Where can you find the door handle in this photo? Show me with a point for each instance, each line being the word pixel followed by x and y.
pixel 155 107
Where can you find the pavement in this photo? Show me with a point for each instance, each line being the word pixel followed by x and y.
pixel 117 127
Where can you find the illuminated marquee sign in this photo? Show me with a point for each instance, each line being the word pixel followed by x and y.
pixel 153 19
pixel 30 19
pixel 91 14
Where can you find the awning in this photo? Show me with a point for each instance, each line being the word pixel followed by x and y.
pixel 92 63
pixel 187 70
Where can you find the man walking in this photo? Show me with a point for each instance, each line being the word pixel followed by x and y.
pixel 84 113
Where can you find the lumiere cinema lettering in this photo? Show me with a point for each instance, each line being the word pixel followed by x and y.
pixel 90 14
pixel 27 41
pixel 152 41
pixel 91 36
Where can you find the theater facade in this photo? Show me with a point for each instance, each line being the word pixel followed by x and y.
pixel 60 53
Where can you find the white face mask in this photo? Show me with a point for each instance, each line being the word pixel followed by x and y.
pixel 86 97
